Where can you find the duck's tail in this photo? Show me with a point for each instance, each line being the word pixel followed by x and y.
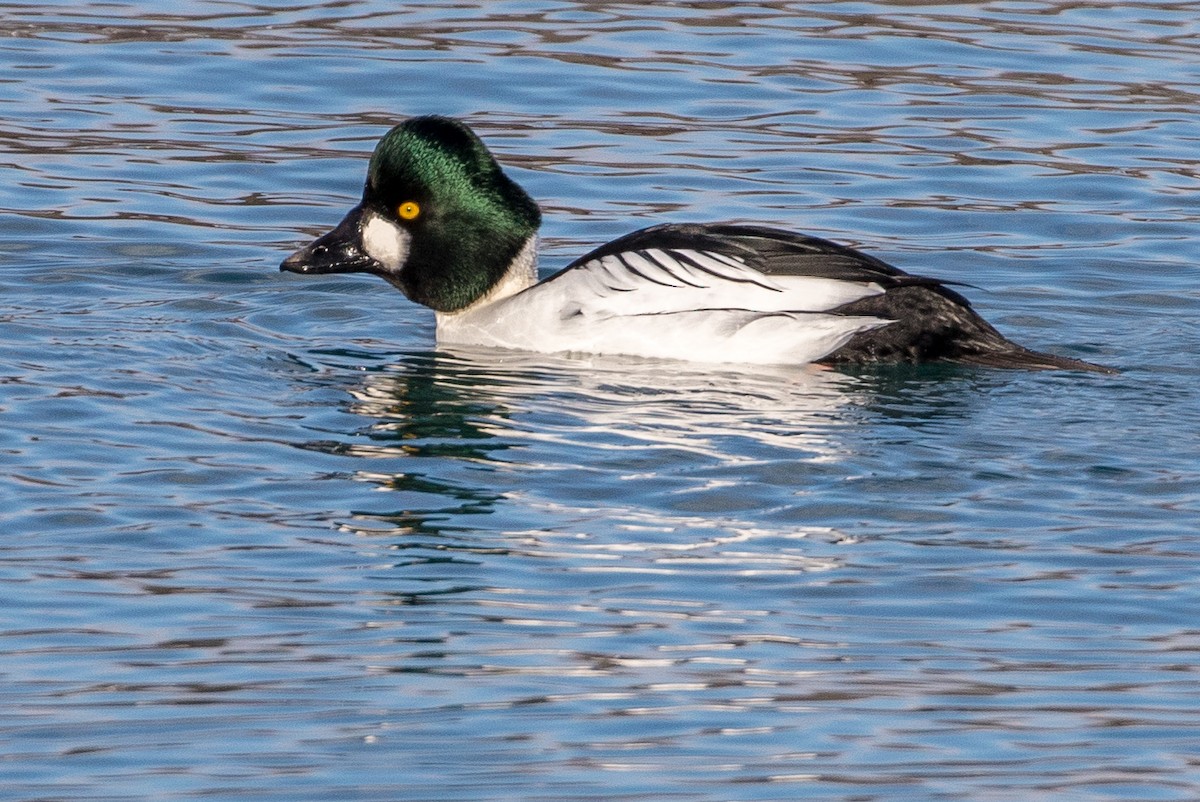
pixel 932 323
pixel 1014 357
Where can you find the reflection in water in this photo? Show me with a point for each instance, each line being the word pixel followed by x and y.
pixel 664 466
pixel 608 569
pixel 478 394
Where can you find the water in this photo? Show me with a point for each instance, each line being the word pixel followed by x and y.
pixel 261 541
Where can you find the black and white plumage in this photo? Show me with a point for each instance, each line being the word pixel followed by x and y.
pixel 730 293
pixel 441 221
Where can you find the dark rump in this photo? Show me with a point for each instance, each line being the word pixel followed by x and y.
pixel 935 324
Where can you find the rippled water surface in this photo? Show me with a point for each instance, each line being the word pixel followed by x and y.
pixel 262 541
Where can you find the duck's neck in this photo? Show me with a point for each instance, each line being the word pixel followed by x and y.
pixel 521 275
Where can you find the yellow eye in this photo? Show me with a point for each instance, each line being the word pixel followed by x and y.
pixel 409 210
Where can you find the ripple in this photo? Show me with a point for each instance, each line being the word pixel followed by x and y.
pixel 262 542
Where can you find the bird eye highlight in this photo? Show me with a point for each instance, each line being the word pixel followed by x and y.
pixel 409 210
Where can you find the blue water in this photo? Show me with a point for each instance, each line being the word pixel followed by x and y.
pixel 263 541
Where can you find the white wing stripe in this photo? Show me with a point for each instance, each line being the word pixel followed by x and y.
pixel 726 268
pixel 735 262
pixel 616 271
pixel 669 280
pixel 659 270
pixel 666 260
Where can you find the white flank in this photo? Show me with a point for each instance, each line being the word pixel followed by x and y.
pixel 684 304
pixel 664 281
pixel 385 242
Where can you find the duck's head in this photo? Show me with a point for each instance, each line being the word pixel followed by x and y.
pixel 438 219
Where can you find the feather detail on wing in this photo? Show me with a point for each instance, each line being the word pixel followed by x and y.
pixel 654 281
pixel 702 304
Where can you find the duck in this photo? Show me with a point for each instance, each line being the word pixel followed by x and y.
pixel 442 222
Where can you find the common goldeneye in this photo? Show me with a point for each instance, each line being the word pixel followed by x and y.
pixel 441 221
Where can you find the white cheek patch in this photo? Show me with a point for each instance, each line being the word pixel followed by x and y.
pixel 385 242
